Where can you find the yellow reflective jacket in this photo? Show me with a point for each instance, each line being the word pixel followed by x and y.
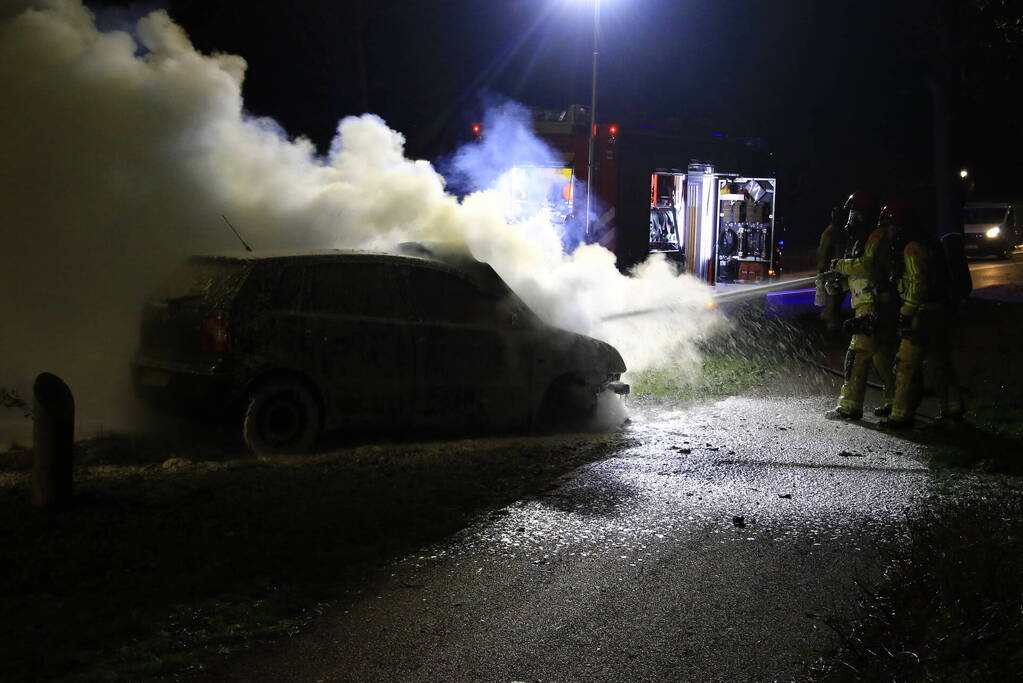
pixel 914 285
pixel 869 272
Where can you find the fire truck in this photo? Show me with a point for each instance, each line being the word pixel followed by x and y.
pixel 658 190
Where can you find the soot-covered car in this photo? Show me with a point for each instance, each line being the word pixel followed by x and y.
pixel 294 344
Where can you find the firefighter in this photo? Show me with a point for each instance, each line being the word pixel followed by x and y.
pixel 867 269
pixel 831 248
pixel 925 322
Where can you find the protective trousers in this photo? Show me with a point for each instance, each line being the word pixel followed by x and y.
pixel 929 339
pixel 877 350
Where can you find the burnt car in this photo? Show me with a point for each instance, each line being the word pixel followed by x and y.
pixel 291 345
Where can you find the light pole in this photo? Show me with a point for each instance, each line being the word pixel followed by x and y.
pixel 593 119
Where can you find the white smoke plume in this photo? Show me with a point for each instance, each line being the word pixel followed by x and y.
pixel 121 151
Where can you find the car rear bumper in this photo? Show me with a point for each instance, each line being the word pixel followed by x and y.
pixel 178 390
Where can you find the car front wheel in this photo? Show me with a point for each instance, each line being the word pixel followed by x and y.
pixel 569 404
pixel 281 416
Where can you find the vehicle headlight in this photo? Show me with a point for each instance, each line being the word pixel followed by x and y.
pixel 994 232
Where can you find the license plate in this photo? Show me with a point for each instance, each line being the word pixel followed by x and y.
pixel 155 378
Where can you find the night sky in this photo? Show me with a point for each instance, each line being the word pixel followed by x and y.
pixel 839 90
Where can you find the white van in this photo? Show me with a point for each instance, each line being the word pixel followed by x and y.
pixel 991 228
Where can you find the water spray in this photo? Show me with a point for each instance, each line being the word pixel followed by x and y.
pixel 733 295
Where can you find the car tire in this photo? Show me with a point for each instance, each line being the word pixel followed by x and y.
pixel 568 404
pixel 281 417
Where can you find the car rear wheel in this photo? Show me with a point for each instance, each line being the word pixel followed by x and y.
pixel 281 416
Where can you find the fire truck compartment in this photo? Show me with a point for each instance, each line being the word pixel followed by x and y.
pixel 716 226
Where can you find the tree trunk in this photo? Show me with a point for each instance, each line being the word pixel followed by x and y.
pixel 947 185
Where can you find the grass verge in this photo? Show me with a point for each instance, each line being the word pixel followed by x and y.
pixel 950 604
pixel 721 373
pixel 752 351
pixel 989 352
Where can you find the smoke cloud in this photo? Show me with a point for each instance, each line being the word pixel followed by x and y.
pixel 123 149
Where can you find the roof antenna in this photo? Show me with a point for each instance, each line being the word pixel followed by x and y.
pixel 247 247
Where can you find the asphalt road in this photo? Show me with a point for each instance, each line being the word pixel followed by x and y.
pixel 987 273
pixel 699 551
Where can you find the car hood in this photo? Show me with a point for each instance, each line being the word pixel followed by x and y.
pixel 579 353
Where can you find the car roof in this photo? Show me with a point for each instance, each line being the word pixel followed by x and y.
pixel 302 254
pixel 457 261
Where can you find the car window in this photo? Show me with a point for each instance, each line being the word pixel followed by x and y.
pixel 444 297
pixel 983 214
pixel 201 279
pixel 285 296
pixel 353 289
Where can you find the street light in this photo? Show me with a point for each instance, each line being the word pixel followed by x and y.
pixel 593 117
pixel 963 173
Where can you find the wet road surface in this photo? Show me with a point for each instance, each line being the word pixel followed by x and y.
pixel 988 273
pixel 698 552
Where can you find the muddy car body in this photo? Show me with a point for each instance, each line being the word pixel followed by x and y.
pixel 294 344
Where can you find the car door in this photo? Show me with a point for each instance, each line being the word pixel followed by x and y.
pixel 274 334
pixel 364 348
pixel 472 354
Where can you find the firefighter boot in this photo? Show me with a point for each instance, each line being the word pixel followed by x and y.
pixel 857 365
pixel 840 414
pixel 907 385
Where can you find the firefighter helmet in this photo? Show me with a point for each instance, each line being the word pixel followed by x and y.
pixel 859 201
pixel 895 212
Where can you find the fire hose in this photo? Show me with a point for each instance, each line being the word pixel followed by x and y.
pixel 750 291
pixel 724 296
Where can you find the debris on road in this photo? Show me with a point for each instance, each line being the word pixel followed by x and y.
pixel 785 495
pixel 849 454
pixel 175 464
pixel 739 522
